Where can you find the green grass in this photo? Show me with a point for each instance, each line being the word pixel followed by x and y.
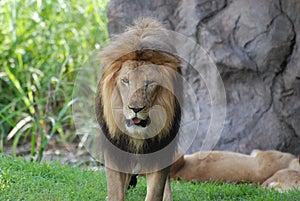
pixel 42 46
pixel 22 180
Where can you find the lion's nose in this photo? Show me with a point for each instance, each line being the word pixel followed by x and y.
pixel 136 109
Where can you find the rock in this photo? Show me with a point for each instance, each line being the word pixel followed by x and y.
pixel 256 49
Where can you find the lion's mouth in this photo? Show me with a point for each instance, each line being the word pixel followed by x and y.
pixel 138 122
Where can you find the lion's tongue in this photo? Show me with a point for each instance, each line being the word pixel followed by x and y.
pixel 136 120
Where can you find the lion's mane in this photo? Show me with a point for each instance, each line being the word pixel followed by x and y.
pixel 146 41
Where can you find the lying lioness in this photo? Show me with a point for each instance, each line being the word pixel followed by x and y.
pixel 286 179
pixel 230 167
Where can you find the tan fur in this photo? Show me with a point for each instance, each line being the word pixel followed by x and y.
pixel 115 57
pixel 117 183
pixel 144 51
pixel 284 180
pixel 146 71
pixel 145 34
pixel 295 164
pixel 176 166
pixel 231 167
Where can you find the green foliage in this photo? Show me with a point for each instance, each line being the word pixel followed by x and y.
pixel 42 45
pixel 22 180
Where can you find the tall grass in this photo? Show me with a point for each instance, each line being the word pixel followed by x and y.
pixel 42 45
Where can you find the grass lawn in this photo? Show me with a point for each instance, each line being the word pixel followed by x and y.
pixel 22 180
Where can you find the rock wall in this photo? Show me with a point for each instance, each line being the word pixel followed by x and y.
pixel 255 45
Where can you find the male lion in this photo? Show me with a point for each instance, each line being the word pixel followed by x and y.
pixel 137 107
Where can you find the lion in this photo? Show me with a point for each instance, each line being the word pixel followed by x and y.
pixel 228 166
pixel 137 106
pixel 286 179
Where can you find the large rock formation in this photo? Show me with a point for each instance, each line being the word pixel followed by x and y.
pixel 255 45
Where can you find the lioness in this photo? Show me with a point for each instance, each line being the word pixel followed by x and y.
pixel 137 107
pixel 284 180
pixel 230 166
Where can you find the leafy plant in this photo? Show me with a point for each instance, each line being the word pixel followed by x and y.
pixel 42 45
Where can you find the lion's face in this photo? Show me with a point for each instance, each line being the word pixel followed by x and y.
pixel 138 83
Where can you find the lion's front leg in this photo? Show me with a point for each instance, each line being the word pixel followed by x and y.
pixel 117 183
pixel 155 185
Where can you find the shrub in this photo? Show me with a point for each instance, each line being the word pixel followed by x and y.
pixel 42 45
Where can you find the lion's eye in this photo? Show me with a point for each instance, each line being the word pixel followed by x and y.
pixel 149 83
pixel 125 81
